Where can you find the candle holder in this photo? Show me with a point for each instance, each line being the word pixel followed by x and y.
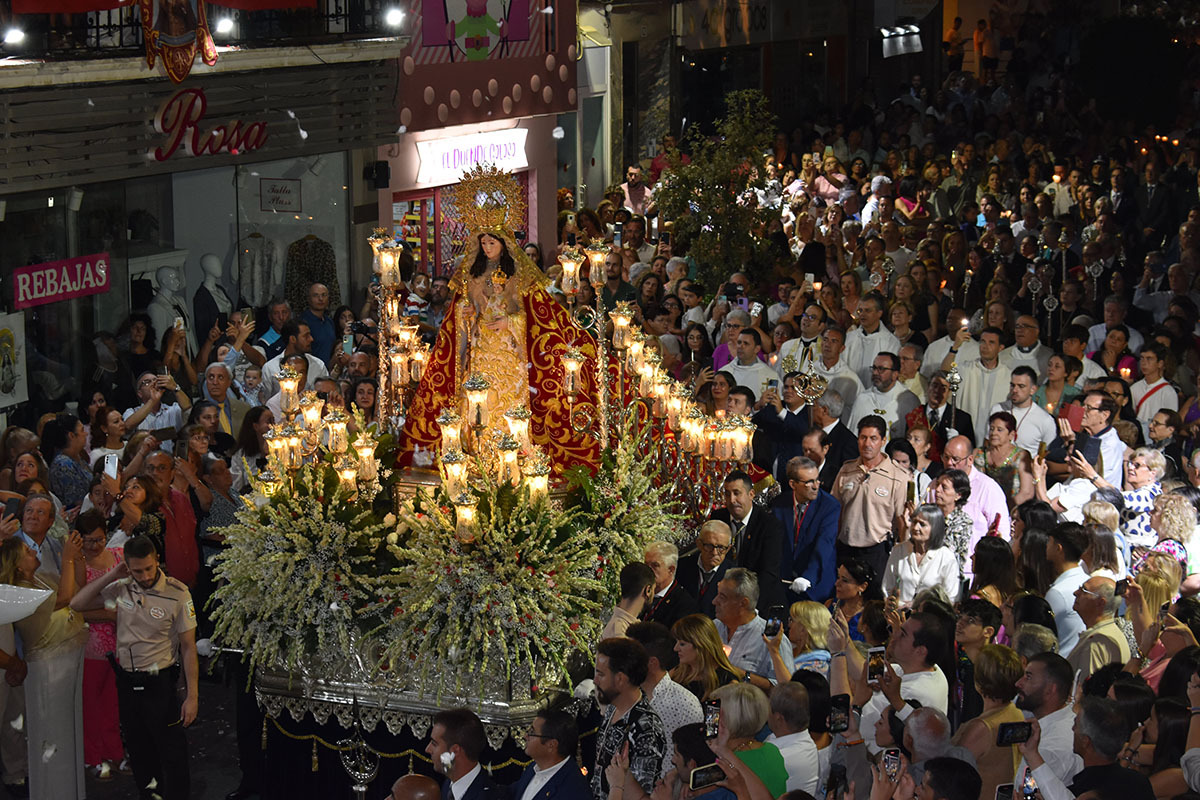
pixel 451 426
pixel 537 477
pixel 508 470
pixel 476 388
pixel 347 470
pixel 364 447
pixel 336 422
pixel 289 400
pixel 518 425
pixel 455 464
pixel 596 253
pixel 572 259
pixel 572 361
pixel 464 516
pixel 621 316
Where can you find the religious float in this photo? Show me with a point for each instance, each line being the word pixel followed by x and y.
pixel 464 550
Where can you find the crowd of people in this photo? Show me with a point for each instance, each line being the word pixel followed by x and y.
pixel 979 578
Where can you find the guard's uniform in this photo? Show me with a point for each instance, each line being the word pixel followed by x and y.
pixel 146 661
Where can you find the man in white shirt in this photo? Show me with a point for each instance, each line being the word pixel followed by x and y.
pixel 1028 350
pixel 1156 302
pixel 837 373
pixel 1099 413
pixel 746 368
pixel 914 650
pixel 1034 423
pixel 887 397
pixel 676 706
pixel 1153 393
pixel 297 339
pixel 553 775
pixel 739 624
pixel 1064 548
pixel 1115 309
pixel 984 380
pixel 152 414
pixel 965 347
pixel 894 247
pixel 456 742
pixel 1044 691
pixel 788 721
pixel 870 338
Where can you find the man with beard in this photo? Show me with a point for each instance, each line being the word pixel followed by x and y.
pixel 631 736
pixel 155 619
pixel 886 397
pixel 1045 691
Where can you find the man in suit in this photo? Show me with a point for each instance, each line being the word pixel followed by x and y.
pixel 455 744
pixel 809 516
pixel 757 537
pixel 947 423
pixel 826 415
pixel 1156 211
pixel 783 421
pixel 671 600
pixel 700 571
pixel 816 449
pixel 230 410
pixel 553 775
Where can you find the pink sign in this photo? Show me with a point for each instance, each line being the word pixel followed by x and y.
pixel 60 280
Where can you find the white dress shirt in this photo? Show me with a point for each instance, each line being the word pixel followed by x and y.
pixel 676 707
pixel 801 760
pixel 929 687
pixel 1163 399
pixel 270 373
pixel 458 788
pixel 1057 745
pixel 981 389
pixel 540 778
pixel 906 577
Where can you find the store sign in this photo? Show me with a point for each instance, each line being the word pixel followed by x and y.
pixel 60 280
pixel 443 161
pixel 279 194
pixel 181 120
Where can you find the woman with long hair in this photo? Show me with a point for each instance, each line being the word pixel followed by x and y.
pixel 703 665
pixel 54 638
pixel 63 441
pixel 139 513
pixel 855 586
pixel 851 285
pixel 924 308
pixel 13 442
pixel 138 337
pixel 1173 521
pixel 207 414
pixel 994 572
pixel 1033 569
pixel 251 456
pixel 1114 355
pixel 923 561
pixel 1157 747
pixel 714 392
pixel 365 398
pixel 107 434
pixel 807 629
pixel 191 447
pixel 649 291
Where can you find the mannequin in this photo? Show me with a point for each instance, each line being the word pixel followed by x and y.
pixel 169 304
pixel 210 300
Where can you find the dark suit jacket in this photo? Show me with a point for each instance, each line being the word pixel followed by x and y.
pixel 688 575
pixel 843 447
pixel 567 784
pixel 676 603
pixel 1155 211
pixel 482 788
pixel 811 554
pixel 762 543
pixel 786 436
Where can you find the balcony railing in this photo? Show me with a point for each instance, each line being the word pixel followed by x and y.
pixel 118 32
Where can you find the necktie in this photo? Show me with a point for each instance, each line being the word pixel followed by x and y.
pixel 934 417
pixel 224 417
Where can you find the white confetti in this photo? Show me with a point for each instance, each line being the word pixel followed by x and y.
pixel 18 724
pixel 303 133
pixel 291 114
pixel 402 129
pixel 558 132
pixel 153 784
pixel 91 103
pixel 334 606
pixel 48 751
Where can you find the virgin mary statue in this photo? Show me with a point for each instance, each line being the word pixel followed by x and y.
pixel 502 323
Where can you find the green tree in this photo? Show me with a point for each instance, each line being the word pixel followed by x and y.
pixel 712 201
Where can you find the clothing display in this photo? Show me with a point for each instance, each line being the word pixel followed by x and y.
pixel 260 269
pixel 310 260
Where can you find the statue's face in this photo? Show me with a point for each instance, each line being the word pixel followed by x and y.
pixel 491 246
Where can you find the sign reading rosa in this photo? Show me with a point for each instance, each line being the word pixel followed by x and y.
pixel 180 118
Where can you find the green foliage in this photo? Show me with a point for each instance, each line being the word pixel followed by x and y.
pixel 712 200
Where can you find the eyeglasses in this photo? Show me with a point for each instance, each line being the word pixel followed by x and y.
pixel 1086 590
pixel 1091 408
pixel 1025 325
pixel 809 482
pixel 715 548
pixel 881 369
pixel 146 382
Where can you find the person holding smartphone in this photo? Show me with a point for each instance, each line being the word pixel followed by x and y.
pixel 997 670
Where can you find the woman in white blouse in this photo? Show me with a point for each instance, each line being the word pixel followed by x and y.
pixel 922 561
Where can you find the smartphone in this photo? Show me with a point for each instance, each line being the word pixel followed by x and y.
pixel 1163 610
pixel 348 343
pixel 222 321
pixel 712 718
pixel 665 237
pixel 773 384
pixel 1122 586
pixel 1010 733
pixel 774 619
pixel 839 713
pixel 835 786
pixel 570 240
pixel 178 323
pixel 571 217
pixel 1041 451
pixel 618 228
pixel 912 491
pixel 110 465
pixel 809 279
pixel 181 448
pixel 1028 784
pixel 1004 791
pixel 247 314
pixel 703 777
pixel 744 304
pixel 875 663
pixel 12 507
pixel 891 762
pixel 756 309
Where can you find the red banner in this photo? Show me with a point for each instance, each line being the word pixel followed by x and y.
pixel 60 280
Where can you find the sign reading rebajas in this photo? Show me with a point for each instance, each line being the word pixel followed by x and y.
pixel 53 281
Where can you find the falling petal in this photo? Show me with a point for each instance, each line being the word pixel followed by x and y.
pixel 303 133
pixel 558 132
pixel 402 129
pixel 48 751
pixel 152 785
pixel 291 113
pixel 18 724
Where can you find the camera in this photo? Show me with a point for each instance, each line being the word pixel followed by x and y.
pixel 362 327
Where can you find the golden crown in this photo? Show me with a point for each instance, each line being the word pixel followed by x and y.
pixel 489 199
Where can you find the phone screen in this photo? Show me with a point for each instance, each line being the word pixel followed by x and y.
pixel 1010 733
pixel 891 762
pixel 1028 784
pixel 1163 610
pixel 617 230
pixel 875 663
pixel 665 238
pixel 839 713
pixel 706 776
pixel 1004 791
pixel 712 718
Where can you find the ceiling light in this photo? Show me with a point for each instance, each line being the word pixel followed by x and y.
pixel 393 17
pixel 14 36
pixel 225 25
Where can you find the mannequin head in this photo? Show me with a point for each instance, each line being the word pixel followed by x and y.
pixel 211 265
pixel 169 279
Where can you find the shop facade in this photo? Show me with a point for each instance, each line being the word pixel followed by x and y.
pixel 243 178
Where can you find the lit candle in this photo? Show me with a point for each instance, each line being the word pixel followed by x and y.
pixel 293 458
pixel 537 479
pixel 635 352
pixel 571 259
pixel 347 470
pixel 455 464
pixel 1125 373
pixel 572 362
pixel 518 424
pixel 464 516
pixel 661 391
pixel 816 286
pixel 311 407
pixel 416 364
pixel 477 387
pixel 451 425
pixel 276 444
pixel 596 254
pixel 621 316
pixel 289 400
pixel 508 472
pixel 335 422
pixel 398 358
pixel 389 273
pixel 364 446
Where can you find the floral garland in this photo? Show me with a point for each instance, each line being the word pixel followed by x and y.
pixel 516 598
pixel 627 506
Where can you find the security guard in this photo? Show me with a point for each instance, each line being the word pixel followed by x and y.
pixel 155 622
